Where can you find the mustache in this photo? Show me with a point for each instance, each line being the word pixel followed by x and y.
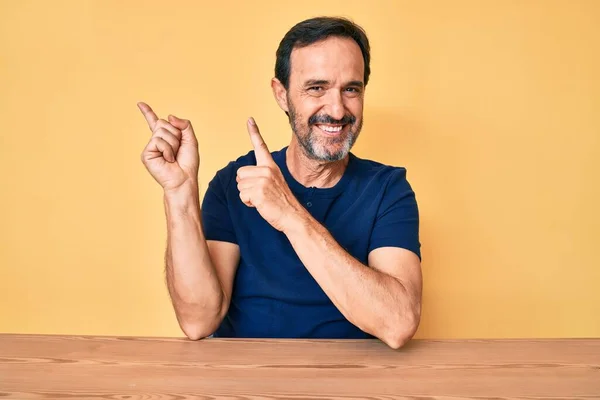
pixel 327 119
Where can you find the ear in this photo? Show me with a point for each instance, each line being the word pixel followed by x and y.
pixel 280 94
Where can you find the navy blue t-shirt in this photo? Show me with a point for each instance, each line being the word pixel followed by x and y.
pixel 274 295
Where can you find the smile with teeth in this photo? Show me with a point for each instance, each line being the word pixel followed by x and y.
pixel 330 128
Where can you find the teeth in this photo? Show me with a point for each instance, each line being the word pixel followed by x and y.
pixel 331 129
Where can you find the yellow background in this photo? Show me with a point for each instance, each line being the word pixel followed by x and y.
pixel 493 107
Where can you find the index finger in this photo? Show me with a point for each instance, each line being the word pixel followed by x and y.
pixel 261 151
pixel 150 116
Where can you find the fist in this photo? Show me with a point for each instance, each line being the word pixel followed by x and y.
pixel 171 155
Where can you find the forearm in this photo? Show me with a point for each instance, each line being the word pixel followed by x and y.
pixel 375 302
pixel 192 281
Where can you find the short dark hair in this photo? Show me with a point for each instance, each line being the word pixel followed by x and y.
pixel 314 30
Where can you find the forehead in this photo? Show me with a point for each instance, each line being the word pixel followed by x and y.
pixel 333 59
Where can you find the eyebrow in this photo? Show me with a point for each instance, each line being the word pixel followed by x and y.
pixel 317 82
pixel 356 83
pixel 314 82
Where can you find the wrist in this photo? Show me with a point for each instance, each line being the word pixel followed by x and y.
pixel 186 194
pixel 297 222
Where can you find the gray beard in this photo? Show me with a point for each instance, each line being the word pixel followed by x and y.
pixel 319 153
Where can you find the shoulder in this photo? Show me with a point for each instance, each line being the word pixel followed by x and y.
pixel 380 175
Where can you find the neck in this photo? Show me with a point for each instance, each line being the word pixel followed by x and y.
pixel 313 173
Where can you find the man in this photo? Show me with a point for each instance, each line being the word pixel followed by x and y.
pixel 308 241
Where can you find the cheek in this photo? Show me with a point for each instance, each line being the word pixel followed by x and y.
pixel 308 106
pixel 355 106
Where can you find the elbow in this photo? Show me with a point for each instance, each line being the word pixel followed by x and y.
pixel 196 331
pixel 396 341
pixel 200 326
pixel 199 322
pixel 402 331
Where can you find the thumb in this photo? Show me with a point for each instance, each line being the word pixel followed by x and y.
pixel 185 126
pixel 261 151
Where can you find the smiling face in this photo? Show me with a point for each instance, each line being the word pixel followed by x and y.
pixel 325 97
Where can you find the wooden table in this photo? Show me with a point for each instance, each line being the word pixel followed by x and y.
pixel 78 367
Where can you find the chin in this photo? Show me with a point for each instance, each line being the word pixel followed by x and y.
pixel 331 153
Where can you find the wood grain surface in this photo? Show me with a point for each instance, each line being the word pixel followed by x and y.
pixel 83 367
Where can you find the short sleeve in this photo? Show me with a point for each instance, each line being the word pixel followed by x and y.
pixel 216 218
pixel 397 221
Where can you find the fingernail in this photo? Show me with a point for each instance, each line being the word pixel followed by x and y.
pixel 251 121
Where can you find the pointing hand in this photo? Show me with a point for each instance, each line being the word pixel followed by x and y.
pixel 171 155
pixel 264 187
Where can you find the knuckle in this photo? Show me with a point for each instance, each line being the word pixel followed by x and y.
pixel 161 131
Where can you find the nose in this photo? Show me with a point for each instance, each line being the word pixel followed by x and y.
pixel 336 105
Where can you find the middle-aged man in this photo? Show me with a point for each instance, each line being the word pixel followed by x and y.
pixel 309 241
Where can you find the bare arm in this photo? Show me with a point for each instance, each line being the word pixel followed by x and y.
pixel 199 273
pixel 383 299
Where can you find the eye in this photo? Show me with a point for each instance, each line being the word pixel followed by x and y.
pixel 316 88
pixel 353 91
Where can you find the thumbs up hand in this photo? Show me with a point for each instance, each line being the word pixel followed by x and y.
pixel 264 187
